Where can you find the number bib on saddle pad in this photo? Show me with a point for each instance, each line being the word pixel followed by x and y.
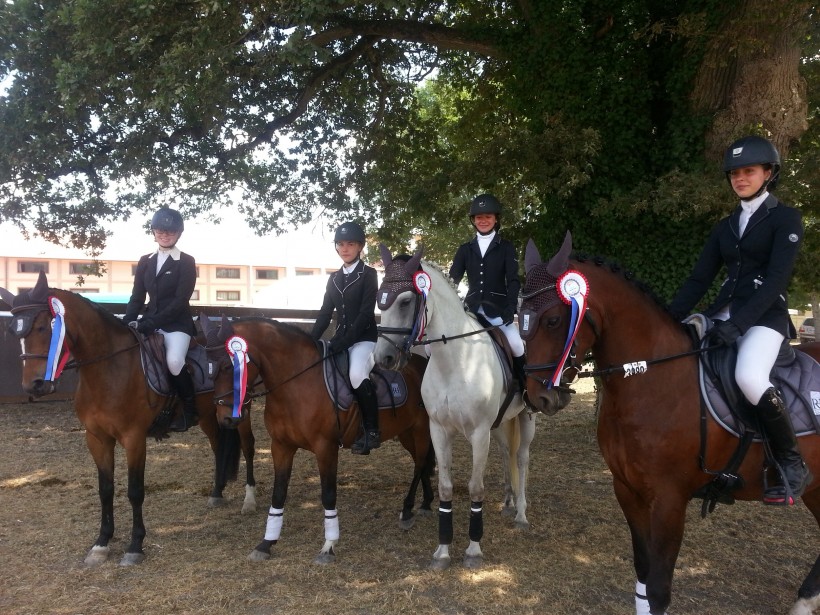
pixel 391 389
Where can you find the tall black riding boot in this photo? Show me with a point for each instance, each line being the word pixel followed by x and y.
pixel 774 417
pixel 369 407
pixel 184 385
pixel 518 372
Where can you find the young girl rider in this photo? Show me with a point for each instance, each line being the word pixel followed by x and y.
pixel 758 244
pixel 351 292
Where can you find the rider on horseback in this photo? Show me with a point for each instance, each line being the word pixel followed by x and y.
pixel 351 291
pixel 758 243
pixel 168 276
pixel 491 266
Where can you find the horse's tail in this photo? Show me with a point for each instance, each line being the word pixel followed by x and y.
pixel 228 448
pixel 513 431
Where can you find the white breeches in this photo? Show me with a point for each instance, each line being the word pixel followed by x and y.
pixel 176 348
pixel 510 331
pixel 757 351
pixel 361 359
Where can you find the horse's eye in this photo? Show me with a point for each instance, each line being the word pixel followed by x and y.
pixel 553 321
pixel 404 303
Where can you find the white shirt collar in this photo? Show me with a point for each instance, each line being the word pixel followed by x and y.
pixel 751 205
pixel 173 252
pixel 349 270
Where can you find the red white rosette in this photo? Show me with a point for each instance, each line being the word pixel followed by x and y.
pixel 571 285
pixel 422 282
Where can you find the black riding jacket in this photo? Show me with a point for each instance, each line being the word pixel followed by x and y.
pixel 759 266
pixel 353 297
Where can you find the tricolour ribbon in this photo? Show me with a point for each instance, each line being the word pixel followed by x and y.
pixel 56 357
pixel 237 348
pixel 573 290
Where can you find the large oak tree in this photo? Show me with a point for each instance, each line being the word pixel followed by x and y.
pixel 604 117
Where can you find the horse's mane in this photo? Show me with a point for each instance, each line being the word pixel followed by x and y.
pixel 444 273
pixel 100 310
pixel 628 277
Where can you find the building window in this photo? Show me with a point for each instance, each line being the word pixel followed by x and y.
pixel 195 296
pixel 32 266
pixel 306 271
pixel 267 274
pixel 80 268
pixel 228 272
pixel 227 295
pixel 197 271
pixel 133 269
pixel 85 291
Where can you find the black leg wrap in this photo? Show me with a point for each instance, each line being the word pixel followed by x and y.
pixel 476 521
pixel 445 523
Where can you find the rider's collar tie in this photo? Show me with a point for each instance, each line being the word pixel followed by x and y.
pixel 237 348
pixel 57 358
pixel 573 290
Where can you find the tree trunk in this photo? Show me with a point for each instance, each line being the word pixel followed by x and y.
pixel 749 77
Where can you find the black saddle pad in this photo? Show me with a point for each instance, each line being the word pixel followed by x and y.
pixel 152 355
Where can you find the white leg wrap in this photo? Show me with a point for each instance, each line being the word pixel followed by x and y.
pixel 331 525
pixel 274 526
pixel 641 603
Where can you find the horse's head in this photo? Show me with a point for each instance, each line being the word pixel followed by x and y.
pixel 33 321
pixel 230 368
pixel 553 307
pixel 400 299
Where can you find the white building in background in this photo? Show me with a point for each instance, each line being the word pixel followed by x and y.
pixel 235 267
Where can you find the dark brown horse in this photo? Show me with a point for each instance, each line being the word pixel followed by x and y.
pixel 299 414
pixel 113 400
pixel 649 422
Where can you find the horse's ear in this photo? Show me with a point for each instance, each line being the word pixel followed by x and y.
pixel 39 294
pixel 225 329
pixel 7 297
pixel 560 262
pixel 205 323
pixel 387 258
pixel 532 257
pixel 412 265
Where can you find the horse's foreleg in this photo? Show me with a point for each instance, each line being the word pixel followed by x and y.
pixel 282 468
pixel 328 462
pixel 808 597
pixel 473 557
pixel 637 518
pixel 135 455
pixel 667 517
pixel 103 454
pixel 248 442
pixel 444 458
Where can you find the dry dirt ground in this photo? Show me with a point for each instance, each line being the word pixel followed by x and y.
pixel 576 558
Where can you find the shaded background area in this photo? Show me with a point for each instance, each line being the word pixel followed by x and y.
pixel 744 559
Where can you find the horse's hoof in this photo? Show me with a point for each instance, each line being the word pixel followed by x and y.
pixel 524 526
pixel 248 507
pixel 258 556
pixel 805 606
pixel 439 563
pixel 473 562
pixel 214 502
pixel 325 558
pixel 132 559
pixel 424 512
pixel 97 556
pixel 508 511
pixel 409 522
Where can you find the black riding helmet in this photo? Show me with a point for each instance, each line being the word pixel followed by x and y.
pixel 349 231
pixel 486 204
pixel 749 151
pixel 166 219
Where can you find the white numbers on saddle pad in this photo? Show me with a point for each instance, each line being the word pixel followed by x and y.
pixel 815 402
pixel 630 369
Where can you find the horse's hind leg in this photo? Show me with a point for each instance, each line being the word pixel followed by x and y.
pixel 808 596
pixel 525 423
pixel 282 468
pixel 103 454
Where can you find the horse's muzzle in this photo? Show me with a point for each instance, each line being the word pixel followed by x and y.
pixel 230 422
pixel 550 401
pixel 40 387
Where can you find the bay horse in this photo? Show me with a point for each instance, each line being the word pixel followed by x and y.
pixel 112 400
pixel 649 423
pixel 300 414
pixel 463 390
